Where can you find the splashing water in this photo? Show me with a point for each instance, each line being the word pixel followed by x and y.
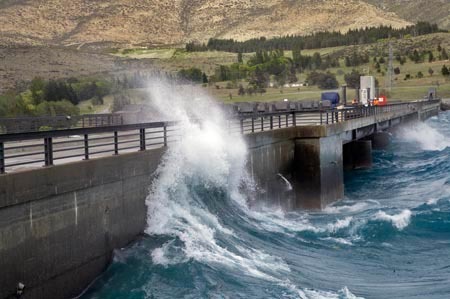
pixel 426 137
pixel 388 239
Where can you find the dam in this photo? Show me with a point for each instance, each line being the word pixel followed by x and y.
pixel 60 223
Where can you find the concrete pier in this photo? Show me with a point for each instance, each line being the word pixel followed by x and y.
pixel 318 172
pixel 358 155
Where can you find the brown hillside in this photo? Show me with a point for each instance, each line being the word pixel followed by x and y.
pixel 433 11
pixel 154 22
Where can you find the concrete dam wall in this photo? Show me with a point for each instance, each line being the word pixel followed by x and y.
pixel 59 225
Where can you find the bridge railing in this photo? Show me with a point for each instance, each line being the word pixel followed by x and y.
pixel 48 147
pixel 257 122
pixel 62 146
pixel 10 125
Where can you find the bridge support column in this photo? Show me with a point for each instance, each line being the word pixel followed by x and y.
pixel 358 155
pixel 318 172
pixel 380 140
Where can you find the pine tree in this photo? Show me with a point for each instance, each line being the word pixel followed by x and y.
pixel 445 71
pixel 239 58
pixel 444 54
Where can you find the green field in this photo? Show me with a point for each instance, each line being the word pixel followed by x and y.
pixel 173 60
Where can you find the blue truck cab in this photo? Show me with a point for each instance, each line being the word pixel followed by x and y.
pixel 332 97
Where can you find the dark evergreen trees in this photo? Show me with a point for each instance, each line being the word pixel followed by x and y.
pixel 317 40
pixel 353 79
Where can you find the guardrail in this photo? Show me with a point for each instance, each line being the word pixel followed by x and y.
pixel 47 147
pixel 33 124
pixel 37 148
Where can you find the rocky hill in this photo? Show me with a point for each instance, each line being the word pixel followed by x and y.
pixel 156 22
pixel 433 11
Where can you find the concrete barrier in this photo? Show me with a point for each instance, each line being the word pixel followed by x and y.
pixel 59 225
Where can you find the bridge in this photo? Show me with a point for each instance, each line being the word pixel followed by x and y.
pixel 57 185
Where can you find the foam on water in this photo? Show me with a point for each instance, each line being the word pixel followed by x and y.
pixel 400 221
pixel 206 158
pixel 424 135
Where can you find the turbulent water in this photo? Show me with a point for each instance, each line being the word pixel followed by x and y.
pixel 389 238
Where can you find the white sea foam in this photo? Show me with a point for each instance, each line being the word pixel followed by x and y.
pixel 206 157
pixel 357 207
pixel 426 137
pixel 432 201
pixel 342 294
pixel 338 240
pixel 400 221
pixel 339 224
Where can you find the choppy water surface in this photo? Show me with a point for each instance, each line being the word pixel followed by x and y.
pixel 390 237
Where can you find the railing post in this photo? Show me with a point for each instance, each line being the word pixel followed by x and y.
pixel 142 139
pixel 165 135
pixel 262 123
pixel 86 147
pixel 327 117
pixel 271 122
pixel 253 125
pixel 48 150
pixel 279 121
pixel 287 120
pixel 116 143
pixel 242 126
pixel 2 158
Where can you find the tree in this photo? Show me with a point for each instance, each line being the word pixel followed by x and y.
pixel 445 71
pixel 55 108
pixel 419 75
pixel 397 71
pixel 444 54
pixel 381 60
pixel 415 56
pixel 329 81
pixel 430 71
pixel 378 67
pixel 204 78
pixel 292 78
pixel 259 79
pixel 241 90
pixel 239 58
pixel 37 90
pixel 323 80
pixel 192 74
pixel 353 79
pixel 430 56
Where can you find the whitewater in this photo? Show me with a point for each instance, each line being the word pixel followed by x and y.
pixel 206 237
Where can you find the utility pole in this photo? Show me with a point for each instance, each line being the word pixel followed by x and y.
pixel 390 67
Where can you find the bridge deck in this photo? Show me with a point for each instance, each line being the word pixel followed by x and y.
pixel 19 151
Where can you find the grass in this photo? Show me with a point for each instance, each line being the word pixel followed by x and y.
pixel 86 107
pixel 172 60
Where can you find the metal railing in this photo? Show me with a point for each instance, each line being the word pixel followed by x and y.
pixel 46 148
pixel 45 123
pixel 60 146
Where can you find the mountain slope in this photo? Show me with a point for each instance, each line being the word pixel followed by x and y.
pixel 153 22
pixel 433 11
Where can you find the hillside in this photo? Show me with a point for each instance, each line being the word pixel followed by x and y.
pixel 155 22
pixel 433 11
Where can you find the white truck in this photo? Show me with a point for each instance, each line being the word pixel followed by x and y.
pixel 367 89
